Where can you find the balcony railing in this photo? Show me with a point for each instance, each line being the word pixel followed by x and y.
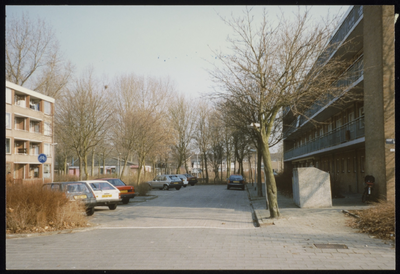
pixel 350 131
pixel 351 19
pixel 352 75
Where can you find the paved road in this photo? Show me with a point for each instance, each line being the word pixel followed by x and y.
pixel 201 227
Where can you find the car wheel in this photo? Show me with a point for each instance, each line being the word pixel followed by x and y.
pixel 112 207
pixel 192 184
pixel 90 211
pixel 165 187
pixel 178 188
pixel 125 200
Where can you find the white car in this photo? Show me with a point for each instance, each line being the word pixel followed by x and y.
pixel 183 178
pixel 105 193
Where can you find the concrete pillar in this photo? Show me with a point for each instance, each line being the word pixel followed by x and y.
pixel 379 97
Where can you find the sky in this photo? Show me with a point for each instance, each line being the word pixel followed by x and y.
pixel 156 41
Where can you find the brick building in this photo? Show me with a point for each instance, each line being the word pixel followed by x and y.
pixel 29 132
pixel 356 139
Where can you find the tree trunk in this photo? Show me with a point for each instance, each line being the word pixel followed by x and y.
pixel 104 164
pixel 86 172
pixel 65 166
pixel 272 192
pixel 92 171
pixel 123 168
pixel 205 166
pixel 80 168
pixel 259 180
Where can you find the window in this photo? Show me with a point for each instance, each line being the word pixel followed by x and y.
pixel 355 164
pixel 8 146
pixel 20 100
pixel 343 165
pixel 20 123
pixel 337 166
pixel 47 150
pixel 34 126
pixel 46 171
pixel 47 107
pixel 34 104
pixel 8 120
pixel 348 164
pixel 351 116
pixel 34 171
pixel 360 114
pixel 8 96
pixel 34 149
pixel 330 126
pixel 362 162
pixel 47 129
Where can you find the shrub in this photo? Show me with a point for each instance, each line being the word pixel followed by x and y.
pixel 65 178
pixel 142 189
pixel 377 220
pixel 30 208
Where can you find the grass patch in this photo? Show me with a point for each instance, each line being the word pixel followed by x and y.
pixel 377 220
pixel 30 208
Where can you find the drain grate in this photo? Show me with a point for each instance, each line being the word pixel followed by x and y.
pixel 332 246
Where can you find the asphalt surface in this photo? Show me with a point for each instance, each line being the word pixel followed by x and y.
pixel 205 227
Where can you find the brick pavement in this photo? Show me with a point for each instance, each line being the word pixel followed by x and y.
pixel 207 246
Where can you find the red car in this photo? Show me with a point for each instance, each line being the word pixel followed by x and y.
pixel 126 192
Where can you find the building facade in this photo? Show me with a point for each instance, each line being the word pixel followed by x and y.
pixel 29 132
pixel 356 139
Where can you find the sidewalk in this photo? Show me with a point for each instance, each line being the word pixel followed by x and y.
pixel 290 211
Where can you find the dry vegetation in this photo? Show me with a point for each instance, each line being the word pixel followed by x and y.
pixel 377 221
pixel 30 208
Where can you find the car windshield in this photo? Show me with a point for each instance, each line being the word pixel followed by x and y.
pixel 174 178
pixel 71 188
pixel 235 178
pixel 116 182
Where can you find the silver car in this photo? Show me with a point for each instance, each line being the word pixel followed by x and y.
pixel 166 182
pixel 183 178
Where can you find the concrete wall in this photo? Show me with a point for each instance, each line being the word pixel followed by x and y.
pixel 311 188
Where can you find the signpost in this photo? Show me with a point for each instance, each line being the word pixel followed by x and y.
pixel 42 158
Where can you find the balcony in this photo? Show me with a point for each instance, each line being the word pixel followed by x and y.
pixel 348 24
pixel 351 131
pixel 348 78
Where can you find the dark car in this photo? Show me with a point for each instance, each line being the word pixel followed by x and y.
pixel 126 192
pixel 191 179
pixel 236 180
pixel 75 191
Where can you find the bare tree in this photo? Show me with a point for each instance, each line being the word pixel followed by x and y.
pixel 33 56
pixel 140 123
pixel 203 135
pixel 272 67
pixel 182 119
pixel 82 117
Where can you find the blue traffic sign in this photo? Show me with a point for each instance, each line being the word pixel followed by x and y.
pixel 42 158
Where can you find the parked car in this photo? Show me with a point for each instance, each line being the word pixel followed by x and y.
pixel 191 179
pixel 75 191
pixel 106 194
pixel 126 192
pixel 183 178
pixel 236 180
pixel 166 182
